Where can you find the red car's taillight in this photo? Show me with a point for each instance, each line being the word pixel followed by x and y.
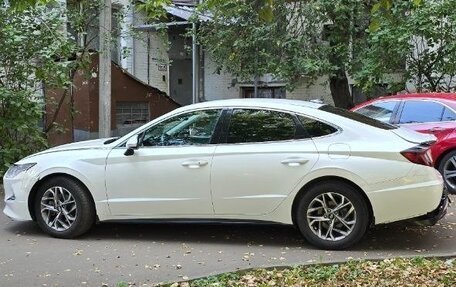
pixel 420 154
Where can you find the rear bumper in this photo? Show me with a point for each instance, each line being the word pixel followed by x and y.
pixel 434 216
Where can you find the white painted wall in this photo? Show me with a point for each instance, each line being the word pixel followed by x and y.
pixel 318 90
pixel 220 86
pixel 142 68
pixel 216 85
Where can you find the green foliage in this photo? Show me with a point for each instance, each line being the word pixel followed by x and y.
pixel 252 38
pixel 154 9
pixel 388 272
pixel 34 50
pixel 291 40
pixel 19 132
pixel 223 280
pixel 416 39
pixel 20 5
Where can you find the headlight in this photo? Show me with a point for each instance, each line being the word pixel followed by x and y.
pixel 16 169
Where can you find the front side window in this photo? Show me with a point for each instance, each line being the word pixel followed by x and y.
pixel 380 111
pixel 249 125
pixel 421 112
pixel 194 128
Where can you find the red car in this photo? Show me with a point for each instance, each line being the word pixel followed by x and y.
pixel 432 113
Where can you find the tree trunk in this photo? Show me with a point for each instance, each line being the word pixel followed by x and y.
pixel 340 90
pixel 50 124
pixel 255 87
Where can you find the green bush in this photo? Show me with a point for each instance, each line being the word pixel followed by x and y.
pixel 34 52
pixel 20 133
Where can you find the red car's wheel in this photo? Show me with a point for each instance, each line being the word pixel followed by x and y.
pixel 447 168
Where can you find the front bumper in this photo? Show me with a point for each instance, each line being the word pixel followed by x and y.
pixel 434 216
pixel 17 190
pixel 17 210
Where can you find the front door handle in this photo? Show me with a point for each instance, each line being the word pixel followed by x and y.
pixel 194 163
pixel 294 161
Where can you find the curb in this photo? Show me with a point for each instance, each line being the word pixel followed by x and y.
pixel 307 264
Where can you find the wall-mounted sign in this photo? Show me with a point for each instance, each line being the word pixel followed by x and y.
pixel 162 67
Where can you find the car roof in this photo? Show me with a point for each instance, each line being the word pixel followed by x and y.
pixel 256 102
pixel 449 98
pixel 443 96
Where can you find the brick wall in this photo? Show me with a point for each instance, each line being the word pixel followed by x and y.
pixel 125 87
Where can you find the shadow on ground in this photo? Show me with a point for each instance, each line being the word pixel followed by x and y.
pixel 397 236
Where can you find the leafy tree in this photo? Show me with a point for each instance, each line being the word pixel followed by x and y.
pixel 421 34
pixel 43 45
pixel 290 39
pixel 243 41
pixel 20 5
pixel 34 49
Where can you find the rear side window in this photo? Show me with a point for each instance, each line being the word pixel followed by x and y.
pixel 315 128
pixel 382 111
pixel 357 117
pixel 249 125
pixel 448 115
pixel 421 112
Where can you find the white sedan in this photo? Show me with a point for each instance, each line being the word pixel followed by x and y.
pixel 330 172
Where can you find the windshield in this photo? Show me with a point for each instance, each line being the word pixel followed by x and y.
pixel 357 117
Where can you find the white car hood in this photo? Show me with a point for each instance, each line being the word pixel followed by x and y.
pixel 413 136
pixel 90 144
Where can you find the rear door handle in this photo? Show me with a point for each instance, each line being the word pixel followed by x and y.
pixel 194 163
pixel 294 161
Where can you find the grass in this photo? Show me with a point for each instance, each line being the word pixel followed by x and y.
pixel 389 272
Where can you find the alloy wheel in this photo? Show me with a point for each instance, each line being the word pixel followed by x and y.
pixel 449 172
pixel 331 216
pixel 58 208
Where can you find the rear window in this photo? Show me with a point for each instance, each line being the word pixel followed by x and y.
pixel 357 117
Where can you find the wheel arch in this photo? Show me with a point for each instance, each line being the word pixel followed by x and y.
pixel 41 181
pixel 318 180
pixel 441 156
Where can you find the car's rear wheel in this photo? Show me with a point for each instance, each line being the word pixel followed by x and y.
pixel 447 168
pixel 332 215
pixel 63 208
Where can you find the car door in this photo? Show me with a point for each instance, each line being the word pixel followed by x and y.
pixel 169 173
pixel 263 157
pixel 427 117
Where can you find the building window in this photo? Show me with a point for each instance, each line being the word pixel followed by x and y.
pixel 132 114
pixel 264 92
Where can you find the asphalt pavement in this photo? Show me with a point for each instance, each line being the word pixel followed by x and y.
pixel 145 254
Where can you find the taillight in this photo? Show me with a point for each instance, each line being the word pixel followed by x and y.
pixel 420 154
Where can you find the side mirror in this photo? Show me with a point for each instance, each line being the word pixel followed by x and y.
pixel 132 144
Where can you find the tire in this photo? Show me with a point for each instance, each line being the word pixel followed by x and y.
pixel 446 164
pixel 71 214
pixel 311 213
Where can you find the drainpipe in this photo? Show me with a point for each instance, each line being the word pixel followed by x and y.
pixel 194 65
pixel 148 58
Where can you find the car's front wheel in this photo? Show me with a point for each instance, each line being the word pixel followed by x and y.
pixel 63 208
pixel 447 168
pixel 332 215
